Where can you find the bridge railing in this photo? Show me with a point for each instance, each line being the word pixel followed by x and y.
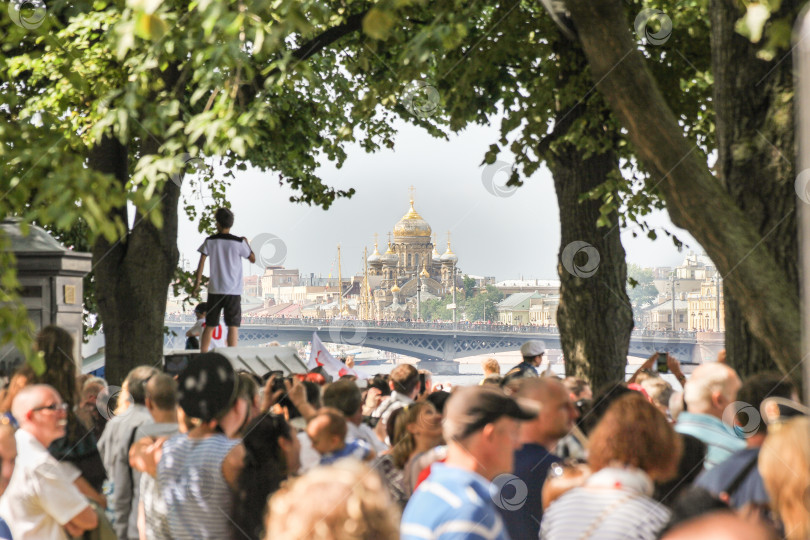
pixel 303 321
pixel 463 326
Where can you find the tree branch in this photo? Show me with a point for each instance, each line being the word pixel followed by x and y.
pixel 695 199
pixel 317 44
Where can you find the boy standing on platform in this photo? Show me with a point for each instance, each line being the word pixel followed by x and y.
pixel 225 284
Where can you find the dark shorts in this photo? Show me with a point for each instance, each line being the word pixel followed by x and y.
pixel 231 303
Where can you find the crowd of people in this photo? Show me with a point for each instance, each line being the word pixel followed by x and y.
pixel 221 454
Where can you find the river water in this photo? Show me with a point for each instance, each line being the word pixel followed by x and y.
pixel 471 373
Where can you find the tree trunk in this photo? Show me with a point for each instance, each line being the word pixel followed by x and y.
pixel 133 275
pixel 695 199
pixel 594 316
pixel 755 128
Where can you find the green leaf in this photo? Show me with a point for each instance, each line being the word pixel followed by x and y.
pixel 145 6
pixel 37 363
pixel 378 23
pixel 126 38
pixel 150 27
pixel 258 41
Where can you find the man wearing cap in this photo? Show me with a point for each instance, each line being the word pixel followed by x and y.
pixel 532 352
pixel 459 498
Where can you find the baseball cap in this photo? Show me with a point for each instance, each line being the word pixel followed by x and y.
pixel 471 408
pixel 207 387
pixel 532 348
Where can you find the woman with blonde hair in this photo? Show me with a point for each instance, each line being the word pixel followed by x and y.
pixel 784 463
pixel 351 504
pixel 417 429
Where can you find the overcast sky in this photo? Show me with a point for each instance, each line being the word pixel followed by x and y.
pixel 506 237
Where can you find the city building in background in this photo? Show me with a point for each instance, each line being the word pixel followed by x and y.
pixel 706 308
pixel 690 298
pixel 394 284
pixel 516 308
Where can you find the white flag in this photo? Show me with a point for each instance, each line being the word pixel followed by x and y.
pixel 319 356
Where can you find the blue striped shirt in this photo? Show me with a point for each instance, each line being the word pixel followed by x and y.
pixel 193 488
pixel 452 504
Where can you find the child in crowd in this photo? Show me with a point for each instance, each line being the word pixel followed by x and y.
pixel 327 431
pixel 193 334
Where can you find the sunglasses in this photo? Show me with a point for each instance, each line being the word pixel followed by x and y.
pixel 52 407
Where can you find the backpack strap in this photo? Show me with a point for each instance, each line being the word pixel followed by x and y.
pixel 129 445
pixel 740 477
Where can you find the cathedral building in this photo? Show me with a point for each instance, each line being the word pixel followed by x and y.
pixel 411 264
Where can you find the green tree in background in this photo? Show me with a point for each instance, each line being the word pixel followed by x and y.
pixel 481 307
pixel 435 309
pixel 468 284
pixel 640 289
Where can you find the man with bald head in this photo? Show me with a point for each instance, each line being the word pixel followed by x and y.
pixel 40 501
pixel 532 461
pixel 707 394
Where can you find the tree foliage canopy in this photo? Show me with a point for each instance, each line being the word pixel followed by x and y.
pixel 284 85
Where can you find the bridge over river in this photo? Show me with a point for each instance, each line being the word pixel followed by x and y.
pixel 443 342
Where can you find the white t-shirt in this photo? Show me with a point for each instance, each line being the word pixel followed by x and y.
pixel 39 499
pixel 219 337
pixel 226 252
pixel 364 433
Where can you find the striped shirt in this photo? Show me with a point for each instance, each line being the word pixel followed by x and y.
pixel 452 504
pixel 154 507
pixel 603 514
pixel 720 439
pixel 193 488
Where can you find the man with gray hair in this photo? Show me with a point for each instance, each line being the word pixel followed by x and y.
pixel 707 394
pixel 40 501
pixel 114 446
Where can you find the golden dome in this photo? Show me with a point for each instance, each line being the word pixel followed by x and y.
pixel 395 288
pixel 412 224
pixel 449 256
pixel 375 257
pixel 389 257
pixel 424 273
